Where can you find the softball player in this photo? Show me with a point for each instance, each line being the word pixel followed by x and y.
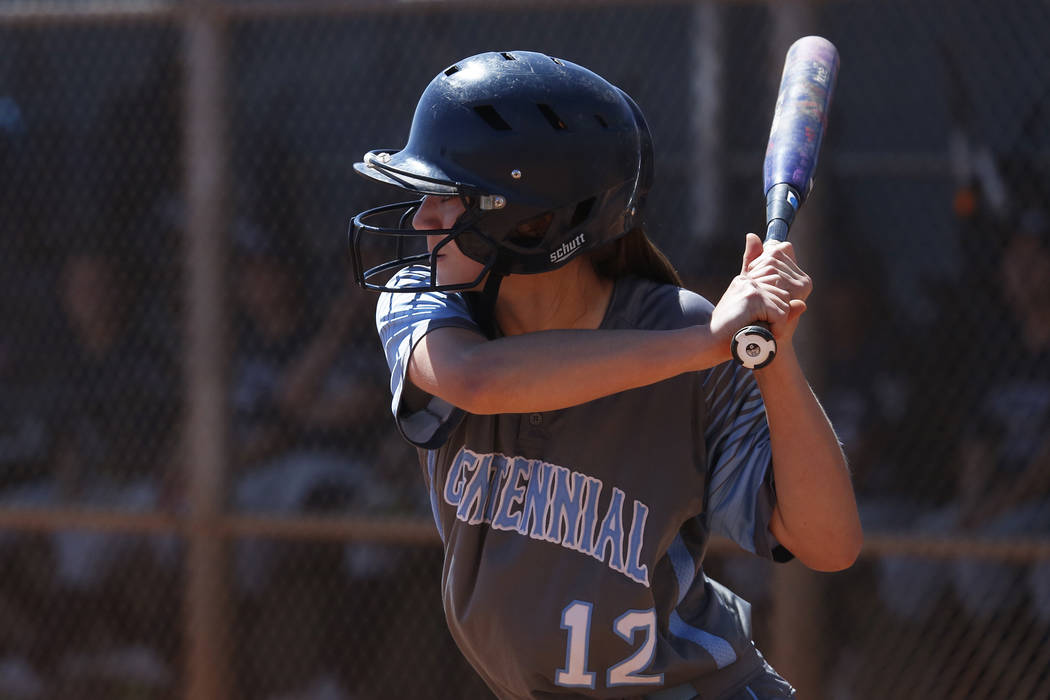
pixel 581 430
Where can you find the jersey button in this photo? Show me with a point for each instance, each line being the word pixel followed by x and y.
pixel 535 419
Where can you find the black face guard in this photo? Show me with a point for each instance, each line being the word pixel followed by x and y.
pixel 467 236
pixel 363 230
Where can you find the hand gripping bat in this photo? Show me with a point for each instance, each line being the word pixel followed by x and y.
pixel 799 119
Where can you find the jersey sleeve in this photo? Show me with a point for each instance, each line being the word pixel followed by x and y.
pixel 740 478
pixel 402 319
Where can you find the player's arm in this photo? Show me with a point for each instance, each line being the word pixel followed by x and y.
pixel 551 370
pixel 816 512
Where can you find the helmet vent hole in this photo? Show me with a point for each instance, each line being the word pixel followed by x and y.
pixel 601 120
pixel 557 61
pixel 492 117
pixel 583 210
pixel 551 116
pixel 507 55
pixel 452 71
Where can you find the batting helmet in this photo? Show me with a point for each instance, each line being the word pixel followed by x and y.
pixel 550 160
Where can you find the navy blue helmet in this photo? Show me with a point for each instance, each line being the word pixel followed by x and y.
pixel 549 159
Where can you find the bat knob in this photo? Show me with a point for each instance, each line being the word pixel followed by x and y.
pixel 754 346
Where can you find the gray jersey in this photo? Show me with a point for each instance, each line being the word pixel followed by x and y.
pixel 574 539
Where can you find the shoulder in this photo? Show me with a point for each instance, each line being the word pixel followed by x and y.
pixel 403 317
pixel 424 302
pixel 642 303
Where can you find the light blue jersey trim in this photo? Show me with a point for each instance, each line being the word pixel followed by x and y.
pixel 435 502
pixel 684 566
pixel 719 649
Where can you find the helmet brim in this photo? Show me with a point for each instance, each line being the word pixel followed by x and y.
pixel 407 172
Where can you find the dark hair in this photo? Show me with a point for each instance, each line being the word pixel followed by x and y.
pixel 634 254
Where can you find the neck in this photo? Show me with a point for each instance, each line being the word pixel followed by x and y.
pixel 573 296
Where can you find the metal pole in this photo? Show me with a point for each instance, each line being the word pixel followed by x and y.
pixel 706 93
pixel 207 616
pixel 796 648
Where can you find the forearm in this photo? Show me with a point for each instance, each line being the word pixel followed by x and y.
pixel 551 370
pixel 816 512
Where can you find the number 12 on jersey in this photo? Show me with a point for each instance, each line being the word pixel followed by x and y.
pixel 576 619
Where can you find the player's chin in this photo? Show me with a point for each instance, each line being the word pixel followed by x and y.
pixel 454 277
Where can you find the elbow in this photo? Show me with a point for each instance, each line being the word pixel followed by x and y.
pixel 846 556
pixel 829 548
pixel 489 393
pixel 466 383
pixel 839 554
pixel 464 369
pixel 829 544
pixel 472 399
pixel 473 389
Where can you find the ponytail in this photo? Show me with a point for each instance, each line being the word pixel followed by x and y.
pixel 634 254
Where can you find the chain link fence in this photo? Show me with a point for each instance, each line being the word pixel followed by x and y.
pixel 202 494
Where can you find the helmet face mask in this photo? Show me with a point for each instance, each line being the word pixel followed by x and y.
pixel 386 228
pixel 549 159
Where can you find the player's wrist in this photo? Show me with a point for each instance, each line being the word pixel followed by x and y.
pixel 709 347
pixel 719 332
pixel 786 369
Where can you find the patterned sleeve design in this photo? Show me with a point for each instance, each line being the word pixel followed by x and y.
pixel 402 320
pixel 740 488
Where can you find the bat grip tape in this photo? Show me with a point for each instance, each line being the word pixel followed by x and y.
pixel 782 201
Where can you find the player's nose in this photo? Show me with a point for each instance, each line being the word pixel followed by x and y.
pixel 428 216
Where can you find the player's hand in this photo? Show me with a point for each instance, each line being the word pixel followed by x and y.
pixel 770 287
pixel 777 266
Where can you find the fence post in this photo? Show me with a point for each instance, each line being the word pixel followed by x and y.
pixel 207 631
pixel 708 168
pixel 796 628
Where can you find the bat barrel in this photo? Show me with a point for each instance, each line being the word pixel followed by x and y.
pixel 806 87
pixel 810 69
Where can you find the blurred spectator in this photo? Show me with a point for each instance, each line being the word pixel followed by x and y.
pixel 24 442
pixel 26 560
pixel 118 393
pixel 110 411
pixel 864 391
pixel 1002 486
pixel 302 404
pixel 1004 459
pixel 305 406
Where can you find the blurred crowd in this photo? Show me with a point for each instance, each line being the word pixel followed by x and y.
pixel 946 427
pixel 92 403
pixel 969 391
